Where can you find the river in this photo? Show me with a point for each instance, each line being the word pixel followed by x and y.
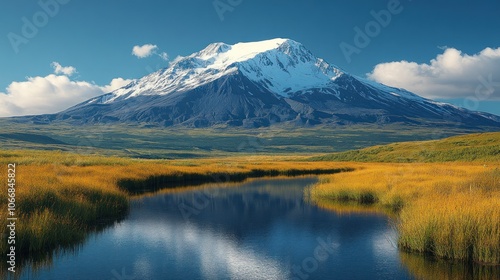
pixel 258 229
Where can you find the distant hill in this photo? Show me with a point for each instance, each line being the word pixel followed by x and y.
pixel 482 147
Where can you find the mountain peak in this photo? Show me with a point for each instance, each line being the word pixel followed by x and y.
pixel 282 66
pixel 222 52
pixel 215 48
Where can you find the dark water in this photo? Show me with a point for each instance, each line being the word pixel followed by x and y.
pixel 262 229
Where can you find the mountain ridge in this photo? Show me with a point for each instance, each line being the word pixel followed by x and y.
pixel 260 84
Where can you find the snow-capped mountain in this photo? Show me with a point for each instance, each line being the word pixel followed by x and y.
pixel 279 65
pixel 258 84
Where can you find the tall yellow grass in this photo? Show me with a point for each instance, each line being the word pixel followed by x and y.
pixel 450 210
pixel 447 210
pixel 61 196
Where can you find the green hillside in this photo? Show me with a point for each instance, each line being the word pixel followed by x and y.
pixel 484 147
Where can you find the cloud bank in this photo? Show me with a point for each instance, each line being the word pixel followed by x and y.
pixel 52 93
pixel 451 74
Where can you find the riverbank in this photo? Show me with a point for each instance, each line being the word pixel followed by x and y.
pixel 61 197
pixel 448 210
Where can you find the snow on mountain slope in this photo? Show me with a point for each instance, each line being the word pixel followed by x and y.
pixel 279 65
pixel 258 84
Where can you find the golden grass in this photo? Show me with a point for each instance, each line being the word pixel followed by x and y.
pixel 447 210
pixel 450 210
pixel 61 196
pixel 56 205
pixel 346 209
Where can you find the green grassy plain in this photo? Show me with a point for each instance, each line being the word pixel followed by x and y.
pixel 484 147
pixel 173 142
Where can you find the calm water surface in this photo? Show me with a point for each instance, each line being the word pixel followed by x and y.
pixel 262 229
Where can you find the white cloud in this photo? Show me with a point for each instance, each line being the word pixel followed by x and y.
pixel 147 50
pixel 144 50
pixel 50 94
pixel 59 69
pixel 163 56
pixel 451 74
pixel 116 84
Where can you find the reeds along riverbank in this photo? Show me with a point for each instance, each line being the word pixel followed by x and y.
pixel 60 197
pixel 446 210
pixel 56 206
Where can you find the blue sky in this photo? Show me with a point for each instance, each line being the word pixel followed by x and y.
pixel 96 39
